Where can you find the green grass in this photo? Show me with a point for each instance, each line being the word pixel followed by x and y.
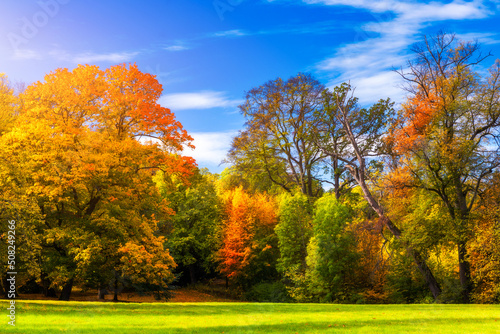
pixel 34 317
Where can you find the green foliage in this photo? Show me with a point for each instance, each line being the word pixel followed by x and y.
pixel 193 233
pixel 294 231
pixel 332 257
pixel 404 283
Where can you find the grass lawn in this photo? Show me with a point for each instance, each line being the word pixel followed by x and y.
pixel 34 317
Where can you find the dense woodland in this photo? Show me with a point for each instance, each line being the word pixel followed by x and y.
pixel 324 199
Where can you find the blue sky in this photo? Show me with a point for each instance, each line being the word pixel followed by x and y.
pixel 207 53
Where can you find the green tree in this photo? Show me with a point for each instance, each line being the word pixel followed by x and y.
pixel 294 231
pixel 193 233
pixel 332 257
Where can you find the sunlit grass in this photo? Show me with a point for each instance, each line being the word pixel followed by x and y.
pixel 34 317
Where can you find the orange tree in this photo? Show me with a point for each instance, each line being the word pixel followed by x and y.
pixel 249 246
pixel 78 149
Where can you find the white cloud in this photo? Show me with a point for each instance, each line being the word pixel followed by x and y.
pixel 211 147
pixel 482 38
pixel 382 44
pixel 378 86
pixel 197 100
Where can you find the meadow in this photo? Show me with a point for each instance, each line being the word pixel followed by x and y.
pixel 33 317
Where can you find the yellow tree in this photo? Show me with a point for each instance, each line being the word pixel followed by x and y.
pixel 78 144
pixel 7 101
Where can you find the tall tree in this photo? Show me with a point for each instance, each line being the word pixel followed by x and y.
pixel 76 141
pixel 294 232
pixel 447 132
pixel 364 130
pixel 277 142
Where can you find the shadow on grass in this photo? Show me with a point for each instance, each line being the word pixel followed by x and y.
pixel 444 325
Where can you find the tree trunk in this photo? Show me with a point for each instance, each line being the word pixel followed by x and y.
pixel 66 291
pixel 426 272
pixel 115 288
pixel 417 258
pixel 2 291
pixel 464 272
pixel 47 290
pixel 192 274
pixel 101 292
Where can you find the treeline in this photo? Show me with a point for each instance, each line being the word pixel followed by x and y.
pixel 325 200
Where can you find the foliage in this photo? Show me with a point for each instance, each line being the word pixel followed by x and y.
pixel 294 231
pixel 274 292
pixel 193 233
pixel 447 133
pixel 277 143
pixel 7 104
pixel 332 257
pixel 248 252
pixel 484 249
pixel 83 165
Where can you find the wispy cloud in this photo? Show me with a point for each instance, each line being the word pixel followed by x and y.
pixel 197 100
pixel 92 57
pixel 26 54
pixel 211 147
pixel 483 38
pixel 382 44
pixel 229 33
pixel 115 57
pixel 176 48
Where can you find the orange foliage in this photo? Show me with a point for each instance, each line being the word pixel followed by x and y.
pixel 373 267
pixel 120 102
pixel 413 123
pixel 246 216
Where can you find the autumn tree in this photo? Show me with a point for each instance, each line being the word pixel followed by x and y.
pixel 364 129
pixel 277 141
pixel 7 104
pixel 77 149
pixel 447 132
pixel 484 248
pixel 248 251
